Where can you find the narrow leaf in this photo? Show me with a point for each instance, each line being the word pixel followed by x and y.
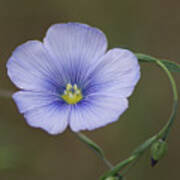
pixel 145 58
pixel 172 66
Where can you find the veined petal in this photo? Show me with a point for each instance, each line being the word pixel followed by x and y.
pixel 97 112
pixel 74 40
pixel 78 47
pixel 52 118
pixel 31 68
pixel 117 74
pixel 29 100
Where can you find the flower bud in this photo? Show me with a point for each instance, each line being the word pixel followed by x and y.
pixel 158 151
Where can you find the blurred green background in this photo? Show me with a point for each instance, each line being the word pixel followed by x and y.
pixel 152 27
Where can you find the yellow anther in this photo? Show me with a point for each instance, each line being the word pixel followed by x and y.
pixel 75 87
pixel 78 91
pixel 72 94
pixel 68 87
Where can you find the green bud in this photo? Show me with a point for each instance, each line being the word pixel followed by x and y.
pixel 158 151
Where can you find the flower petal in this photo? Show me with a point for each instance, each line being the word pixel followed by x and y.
pixel 75 40
pixel 117 74
pixel 77 47
pixel 29 100
pixel 52 118
pixel 98 112
pixel 46 111
pixel 31 68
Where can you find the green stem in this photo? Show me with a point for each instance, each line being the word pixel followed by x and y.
pixel 117 168
pixel 146 58
pixel 107 162
pixel 163 133
pixel 123 173
pixel 139 151
pixel 173 84
pixel 93 146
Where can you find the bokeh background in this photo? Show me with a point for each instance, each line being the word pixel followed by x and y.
pixel 148 26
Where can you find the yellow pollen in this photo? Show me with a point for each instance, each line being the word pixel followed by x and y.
pixel 72 94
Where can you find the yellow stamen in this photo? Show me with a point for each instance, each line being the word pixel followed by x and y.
pixel 72 94
pixel 68 87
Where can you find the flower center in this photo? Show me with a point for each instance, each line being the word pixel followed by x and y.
pixel 72 94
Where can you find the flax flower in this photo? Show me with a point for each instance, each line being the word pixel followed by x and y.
pixel 70 79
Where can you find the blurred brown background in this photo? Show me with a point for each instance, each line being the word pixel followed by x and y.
pixel 149 26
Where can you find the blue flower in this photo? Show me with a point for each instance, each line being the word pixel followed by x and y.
pixel 70 79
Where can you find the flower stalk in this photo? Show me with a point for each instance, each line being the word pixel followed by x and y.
pixel 164 132
pixel 93 146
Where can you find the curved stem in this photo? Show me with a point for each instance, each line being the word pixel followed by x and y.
pixel 120 166
pixel 93 146
pixel 173 84
pixel 163 133
pixel 139 151
pixel 123 173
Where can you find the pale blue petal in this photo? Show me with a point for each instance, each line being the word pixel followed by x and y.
pixel 77 48
pixel 29 100
pixel 31 68
pixel 116 75
pixel 51 118
pixel 74 40
pixel 98 112
pixel 46 111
